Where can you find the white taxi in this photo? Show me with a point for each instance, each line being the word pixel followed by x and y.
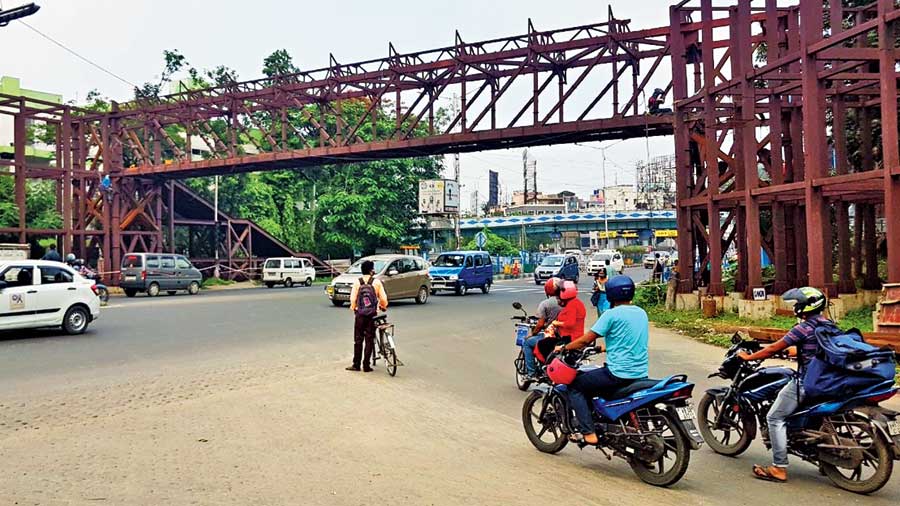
pixel 38 293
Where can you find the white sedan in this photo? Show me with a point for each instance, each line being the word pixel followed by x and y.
pixel 38 293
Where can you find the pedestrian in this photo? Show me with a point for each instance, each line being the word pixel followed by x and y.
pixel 657 268
pixel 366 298
pixel 51 254
pixel 598 297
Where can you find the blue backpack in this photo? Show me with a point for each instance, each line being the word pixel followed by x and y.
pixel 845 364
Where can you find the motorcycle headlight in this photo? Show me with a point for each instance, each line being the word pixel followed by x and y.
pixel 454 277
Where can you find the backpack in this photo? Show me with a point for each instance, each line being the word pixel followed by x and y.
pixel 366 299
pixel 845 364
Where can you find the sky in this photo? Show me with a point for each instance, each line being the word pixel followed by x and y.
pixel 128 38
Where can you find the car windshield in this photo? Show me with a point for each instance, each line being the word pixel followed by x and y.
pixel 601 257
pixel 650 256
pixel 450 261
pixel 131 262
pixel 554 261
pixel 356 268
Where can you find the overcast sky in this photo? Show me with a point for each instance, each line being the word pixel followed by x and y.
pixel 128 37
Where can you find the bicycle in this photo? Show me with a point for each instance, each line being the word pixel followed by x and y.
pixel 384 342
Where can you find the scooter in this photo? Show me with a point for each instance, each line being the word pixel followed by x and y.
pixel 853 441
pixel 86 272
pixel 648 423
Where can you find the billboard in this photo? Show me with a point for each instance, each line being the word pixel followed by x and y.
pixel 438 196
pixel 493 189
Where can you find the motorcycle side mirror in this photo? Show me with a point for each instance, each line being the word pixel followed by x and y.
pixel 517 305
pixel 736 338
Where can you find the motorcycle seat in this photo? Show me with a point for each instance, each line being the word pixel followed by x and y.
pixel 631 388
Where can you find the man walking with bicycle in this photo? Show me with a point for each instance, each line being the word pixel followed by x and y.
pixel 366 298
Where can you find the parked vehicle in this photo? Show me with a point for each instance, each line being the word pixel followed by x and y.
pixel 560 266
pixel 524 329
pixel 609 259
pixel 648 423
pixel 37 294
pixel 461 270
pixel 152 273
pixel 852 440
pixel 404 277
pixel 288 272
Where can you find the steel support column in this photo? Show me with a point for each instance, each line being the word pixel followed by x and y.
pixel 888 86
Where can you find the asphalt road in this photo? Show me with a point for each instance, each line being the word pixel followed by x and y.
pixel 460 345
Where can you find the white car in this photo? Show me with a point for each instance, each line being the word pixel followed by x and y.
pixel 577 253
pixel 38 293
pixel 288 272
pixel 609 259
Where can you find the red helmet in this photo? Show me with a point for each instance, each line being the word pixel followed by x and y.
pixel 551 287
pixel 561 373
pixel 568 291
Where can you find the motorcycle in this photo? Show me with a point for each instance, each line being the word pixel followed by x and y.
pixel 648 423
pixel 86 272
pixel 853 441
pixel 524 330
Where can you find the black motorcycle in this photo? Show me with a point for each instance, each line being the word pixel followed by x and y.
pixel 853 441
pixel 524 329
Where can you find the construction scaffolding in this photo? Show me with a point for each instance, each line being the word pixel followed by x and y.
pixel 656 183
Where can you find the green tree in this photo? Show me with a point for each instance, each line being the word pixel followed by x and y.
pixel 495 245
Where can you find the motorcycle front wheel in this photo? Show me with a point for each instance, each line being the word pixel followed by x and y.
pixel 103 294
pixel 674 452
pixel 733 436
pixel 544 431
pixel 521 382
pixel 877 464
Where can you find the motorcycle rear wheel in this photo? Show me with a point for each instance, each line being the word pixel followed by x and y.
pixel 537 429
pixel 676 452
pixel 725 441
pixel 877 458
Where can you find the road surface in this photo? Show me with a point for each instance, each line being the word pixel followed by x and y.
pixel 239 397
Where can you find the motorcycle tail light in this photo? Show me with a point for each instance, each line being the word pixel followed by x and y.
pixel 683 392
pixel 95 290
pixel 881 398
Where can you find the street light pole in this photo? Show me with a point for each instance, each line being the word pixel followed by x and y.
pixel 605 212
pixel 216 225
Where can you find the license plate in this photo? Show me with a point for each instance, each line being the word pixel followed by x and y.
pixel 685 412
pixel 343 290
pixel 894 428
pixel 130 278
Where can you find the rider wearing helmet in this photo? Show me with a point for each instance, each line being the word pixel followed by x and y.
pixel 547 312
pixel 70 259
pixel 809 303
pixel 570 322
pixel 625 328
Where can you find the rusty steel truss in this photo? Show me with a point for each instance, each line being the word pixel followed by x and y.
pixel 762 142
pixel 753 169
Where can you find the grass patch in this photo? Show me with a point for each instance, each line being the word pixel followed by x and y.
pixel 859 318
pixel 324 280
pixel 208 282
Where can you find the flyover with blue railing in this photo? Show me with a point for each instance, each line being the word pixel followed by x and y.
pixel 573 222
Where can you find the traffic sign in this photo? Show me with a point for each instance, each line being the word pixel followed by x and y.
pixel 480 240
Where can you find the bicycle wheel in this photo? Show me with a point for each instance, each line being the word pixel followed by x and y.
pixel 391 359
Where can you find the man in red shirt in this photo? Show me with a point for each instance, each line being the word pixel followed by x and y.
pixel 570 321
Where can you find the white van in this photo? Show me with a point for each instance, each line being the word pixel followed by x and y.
pixel 609 259
pixel 288 272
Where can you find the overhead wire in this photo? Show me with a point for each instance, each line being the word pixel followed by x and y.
pixel 79 56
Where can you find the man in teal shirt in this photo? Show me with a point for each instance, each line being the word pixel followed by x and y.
pixel 625 328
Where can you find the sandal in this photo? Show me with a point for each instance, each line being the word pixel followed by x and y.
pixel 765 474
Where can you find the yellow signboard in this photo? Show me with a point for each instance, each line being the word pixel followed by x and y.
pixel 629 235
pixel 665 233
pixel 607 235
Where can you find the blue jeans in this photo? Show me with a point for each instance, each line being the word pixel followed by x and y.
pixel 784 406
pixel 528 350
pixel 587 385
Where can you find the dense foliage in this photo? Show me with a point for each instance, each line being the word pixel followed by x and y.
pixel 495 245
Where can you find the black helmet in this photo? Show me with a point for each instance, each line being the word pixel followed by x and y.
pixel 808 300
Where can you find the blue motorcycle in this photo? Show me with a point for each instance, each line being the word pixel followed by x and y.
pixel 648 423
pixel 853 441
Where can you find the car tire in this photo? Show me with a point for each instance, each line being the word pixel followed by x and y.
pixel 422 296
pixel 270 285
pixel 288 283
pixel 337 303
pixel 486 288
pixel 76 320
pixel 153 290
pixel 194 288
pixel 461 289
pixel 308 282
pixel 130 292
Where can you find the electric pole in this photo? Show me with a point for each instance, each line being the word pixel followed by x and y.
pixel 458 209
pixel 525 175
